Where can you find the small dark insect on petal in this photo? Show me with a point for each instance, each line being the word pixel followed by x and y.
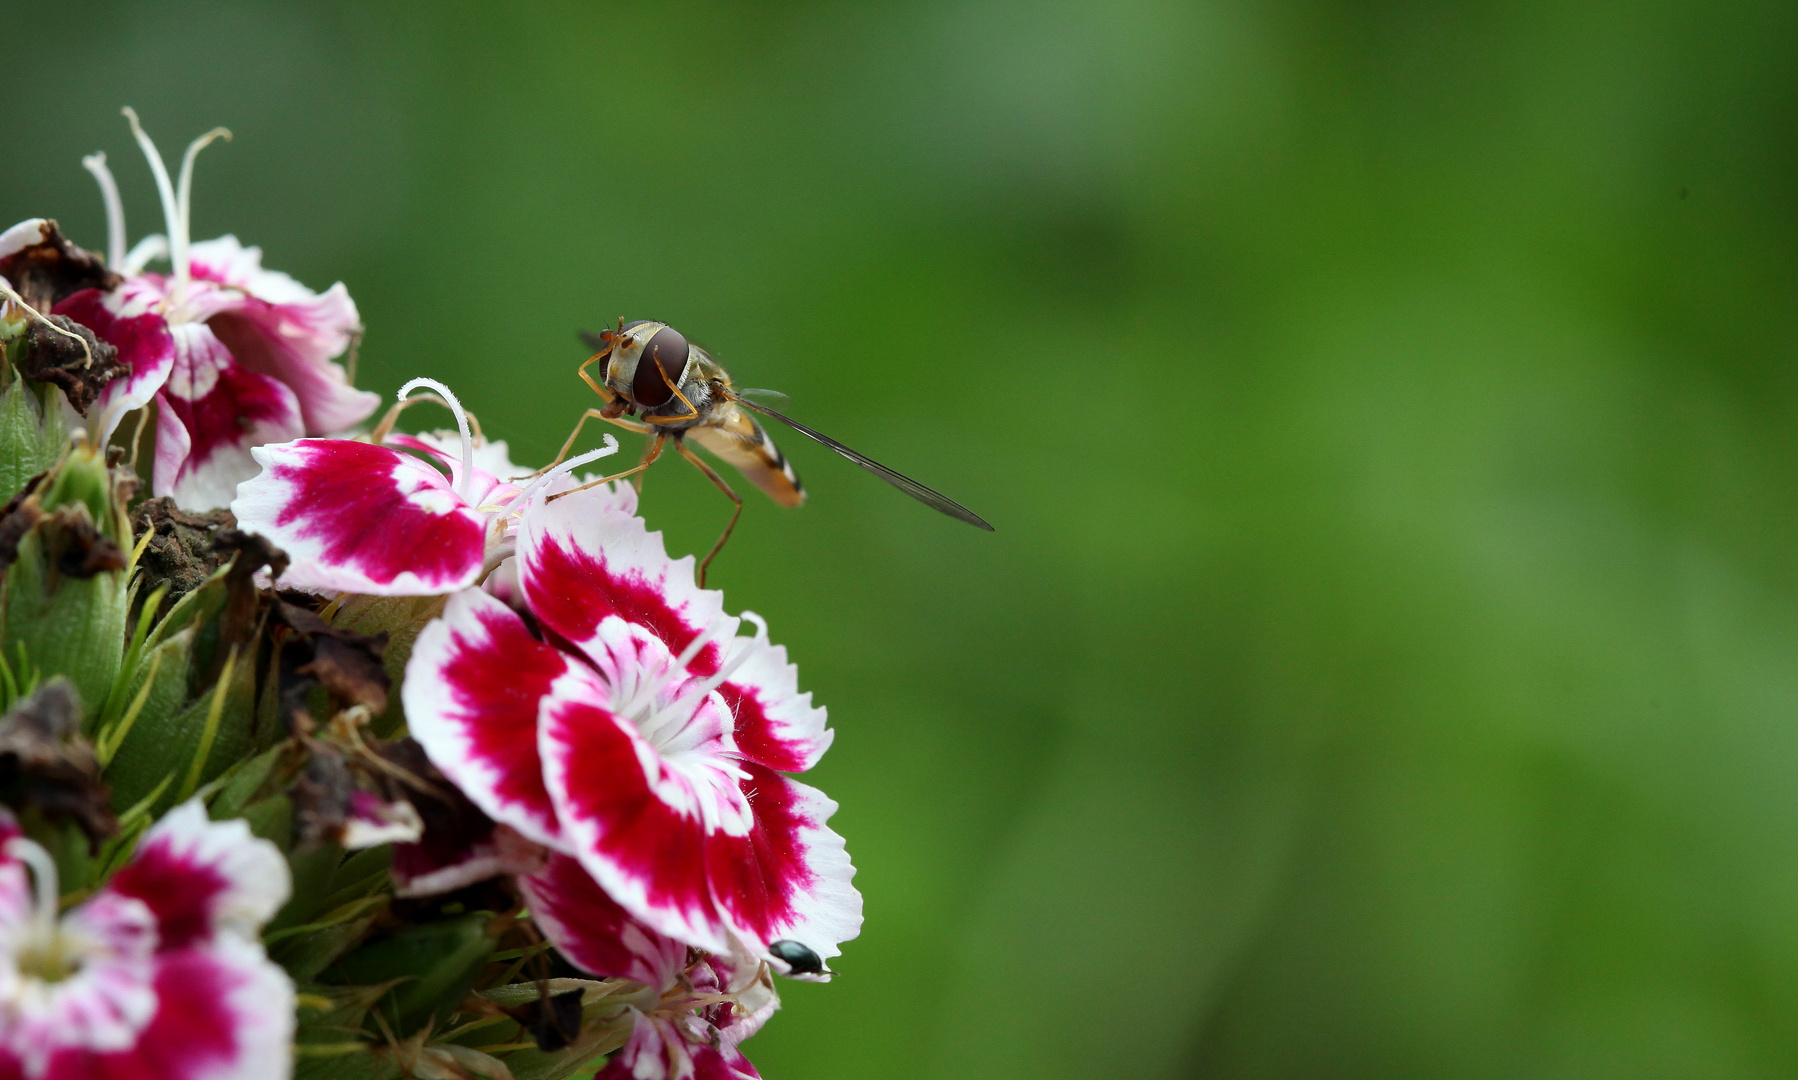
pixel 802 960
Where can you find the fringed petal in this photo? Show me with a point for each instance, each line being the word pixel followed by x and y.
pixel 213 411
pixel 472 693
pixel 354 517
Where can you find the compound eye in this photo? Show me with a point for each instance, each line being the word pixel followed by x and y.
pixel 669 350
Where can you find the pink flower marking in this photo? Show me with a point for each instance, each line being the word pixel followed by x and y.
pixel 355 517
pixel 234 355
pixel 636 770
pixel 689 1024
pixel 158 975
pixel 376 519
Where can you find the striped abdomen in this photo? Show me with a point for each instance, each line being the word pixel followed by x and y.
pixel 739 441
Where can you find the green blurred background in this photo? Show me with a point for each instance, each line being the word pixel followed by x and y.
pixel 1387 661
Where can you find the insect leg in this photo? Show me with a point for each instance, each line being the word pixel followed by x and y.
pixel 629 425
pixel 655 451
pixel 722 486
pixel 691 413
pixel 604 393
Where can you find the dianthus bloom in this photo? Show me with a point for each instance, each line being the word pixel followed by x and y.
pixel 694 1011
pixel 382 519
pixel 159 975
pixel 617 718
pixel 233 355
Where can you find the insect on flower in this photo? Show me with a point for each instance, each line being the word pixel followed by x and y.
pixel 681 391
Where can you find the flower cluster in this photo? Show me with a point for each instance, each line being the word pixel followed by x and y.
pixel 518 767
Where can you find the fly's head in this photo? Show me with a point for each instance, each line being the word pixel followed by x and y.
pixel 648 361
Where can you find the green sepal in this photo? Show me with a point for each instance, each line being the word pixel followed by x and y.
pixel 443 957
pixel 306 955
pixel 330 1040
pixel 245 783
pixel 313 869
pixel 170 735
pixel 83 479
pixel 32 433
pixel 271 819
pixel 71 626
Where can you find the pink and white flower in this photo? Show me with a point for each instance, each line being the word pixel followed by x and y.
pixel 233 355
pixel 620 721
pixel 373 518
pixel 157 976
pixel 693 1015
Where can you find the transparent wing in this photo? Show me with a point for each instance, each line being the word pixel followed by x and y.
pixel 756 393
pixel 904 483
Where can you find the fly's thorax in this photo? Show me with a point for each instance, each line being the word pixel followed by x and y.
pixel 639 382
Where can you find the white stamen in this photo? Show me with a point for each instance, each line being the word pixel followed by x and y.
pixel 653 720
pixel 115 209
pixel 645 691
pixel 566 467
pixel 43 877
pixel 739 657
pixel 184 200
pixel 171 209
pixel 467 470
pixel 154 246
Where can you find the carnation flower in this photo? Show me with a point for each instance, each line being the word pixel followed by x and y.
pixel 371 518
pixel 233 355
pixel 619 720
pixel 697 1011
pixel 157 976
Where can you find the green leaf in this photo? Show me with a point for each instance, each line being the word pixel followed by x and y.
pixel 443 958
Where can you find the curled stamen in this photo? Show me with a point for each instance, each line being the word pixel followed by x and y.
pixel 43 877
pixel 115 209
pixel 461 426
pixel 171 209
pixel 154 246
pixel 184 200
pixel 644 691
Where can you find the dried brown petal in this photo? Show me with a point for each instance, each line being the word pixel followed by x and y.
pixel 181 551
pixel 52 268
pixel 45 764
pixel 60 360
pixel 237 623
pixel 315 653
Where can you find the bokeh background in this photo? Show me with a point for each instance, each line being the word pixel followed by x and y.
pixel 1387 661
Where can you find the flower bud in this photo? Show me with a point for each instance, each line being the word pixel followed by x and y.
pixel 64 596
pixel 31 426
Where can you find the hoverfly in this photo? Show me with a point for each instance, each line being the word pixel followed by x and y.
pixel 652 371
